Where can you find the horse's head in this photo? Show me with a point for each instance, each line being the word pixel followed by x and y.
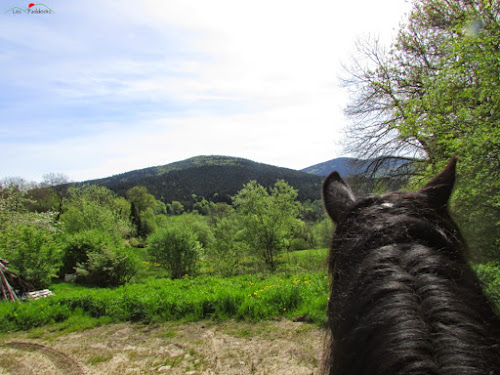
pixel 339 199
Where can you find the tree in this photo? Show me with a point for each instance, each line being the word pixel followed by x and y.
pixel 433 95
pixel 268 219
pixel 34 253
pixel 175 249
pixel 143 210
pixel 28 239
pixel 95 207
pixel 175 208
pixel 225 253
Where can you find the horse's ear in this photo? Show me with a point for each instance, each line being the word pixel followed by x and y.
pixel 439 189
pixel 337 196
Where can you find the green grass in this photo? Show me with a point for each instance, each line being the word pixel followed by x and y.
pixel 298 290
pixel 303 261
pixel 249 297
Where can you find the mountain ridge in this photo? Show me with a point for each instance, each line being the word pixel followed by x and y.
pixel 214 177
pixel 219 177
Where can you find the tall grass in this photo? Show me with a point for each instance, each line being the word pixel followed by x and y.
pixel 298 291
pixel 209 297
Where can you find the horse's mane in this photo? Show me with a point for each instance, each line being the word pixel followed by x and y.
pixel 403 298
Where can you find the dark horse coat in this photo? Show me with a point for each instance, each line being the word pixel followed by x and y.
pixel 403 298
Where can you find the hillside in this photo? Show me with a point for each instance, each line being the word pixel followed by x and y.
pixel 348 167
pixel 216 178
pixel 345 167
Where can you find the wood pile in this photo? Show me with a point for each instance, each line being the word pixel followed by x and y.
pixel 11 284
pixel 39 294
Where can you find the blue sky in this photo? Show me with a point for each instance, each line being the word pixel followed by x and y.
pixel 100 88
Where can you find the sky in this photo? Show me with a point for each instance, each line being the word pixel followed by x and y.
pixel 97 88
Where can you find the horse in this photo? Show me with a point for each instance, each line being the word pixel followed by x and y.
pixel 403 298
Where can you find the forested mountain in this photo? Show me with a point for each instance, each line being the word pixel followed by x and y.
pixel 348 167
pixel 345 167
pixel 215 178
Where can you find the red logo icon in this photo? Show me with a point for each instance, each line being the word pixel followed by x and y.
pixel 31 5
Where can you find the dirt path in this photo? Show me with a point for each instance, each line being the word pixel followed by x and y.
pixel 272 348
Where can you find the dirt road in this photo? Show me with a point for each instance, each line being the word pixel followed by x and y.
pixel 272 348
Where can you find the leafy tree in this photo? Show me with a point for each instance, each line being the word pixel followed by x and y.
pixel 44 199
pixel 175 208
pixel 204 207
pixel 144 207
pixel 12 206
pixel 142 200
pixel 107 267
pixel 312 210
pixel 434 94
pixel 175 249
pixel 322 232
pixel 28 240
pixel 77 246
pixel 96 258
pixel 224 254
pixel 222 210
pixel 196 224
pixel 33 252
pixel 95 207
pixel 268 218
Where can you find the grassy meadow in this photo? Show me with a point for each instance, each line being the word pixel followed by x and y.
pixel 298 290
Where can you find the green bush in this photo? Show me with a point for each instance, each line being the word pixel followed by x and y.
pixel 93 207
pixel 97 259
pixel 107 266
pixel 175 249
pixel 77 247
pixel 34 253
pixel 225 253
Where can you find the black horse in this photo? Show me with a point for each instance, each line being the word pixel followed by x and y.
pixel 403 298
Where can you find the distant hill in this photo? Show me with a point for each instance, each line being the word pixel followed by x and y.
pixel 348 167
pixel 345 167
pixel 214 177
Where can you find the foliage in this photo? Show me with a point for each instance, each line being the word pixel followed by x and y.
pixel 28 240
pixel 97 259
pixel 225 254
pixel 175 208
pixel 302 261
pixel 217 178
pixel 143 209
pixel 12 207
pixel 302 297
pixel 489 274
pixel 433 95
pixel 196 224
pixel 176 249
pixel 268 219
pixel 95 207
pixel 77 246
pixel 322 232
pixel 34 253
pixel 107 266
pixel 312 210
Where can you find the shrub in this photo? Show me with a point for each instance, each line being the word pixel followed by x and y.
pixel 34 253
pixel 97 259
pixel 107 266
pixel 175 249
pixel 77 247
